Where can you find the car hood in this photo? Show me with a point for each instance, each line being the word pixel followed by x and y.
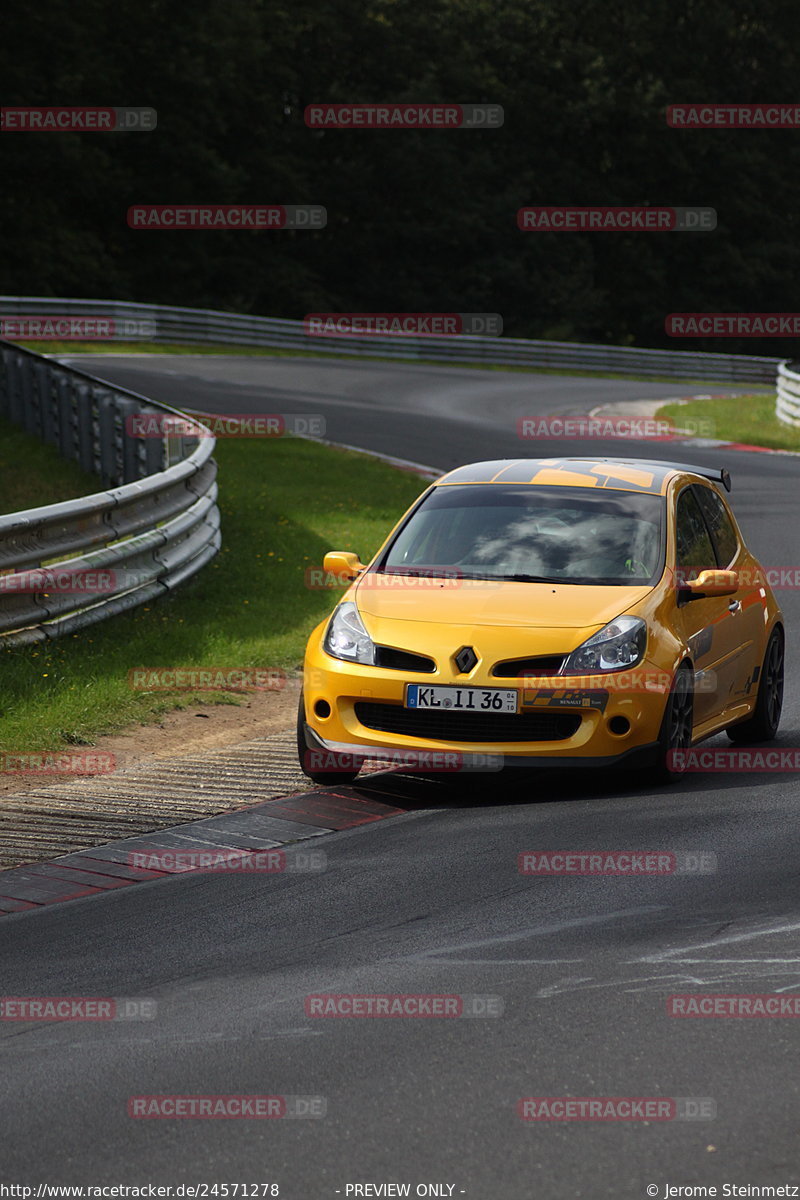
pixel 488 602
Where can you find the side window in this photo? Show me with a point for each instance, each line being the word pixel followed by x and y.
pixel 719 523
pixel 695 552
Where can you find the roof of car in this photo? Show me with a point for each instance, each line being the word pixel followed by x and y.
pixel 621 474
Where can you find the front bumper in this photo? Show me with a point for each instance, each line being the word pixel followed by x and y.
pixel 615 723
pixel 479 762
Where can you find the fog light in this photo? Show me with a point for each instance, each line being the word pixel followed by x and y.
pixel 619 726
pixel 322 709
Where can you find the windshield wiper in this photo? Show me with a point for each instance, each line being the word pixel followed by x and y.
pixel 528 578
pixel 423 572
pixel 567 580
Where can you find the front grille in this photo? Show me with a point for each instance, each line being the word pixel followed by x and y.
pixel 466 726
pixel 403 660
pixel 544 664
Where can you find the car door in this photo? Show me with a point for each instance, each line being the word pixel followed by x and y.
pixel 750 615
pixel 711 625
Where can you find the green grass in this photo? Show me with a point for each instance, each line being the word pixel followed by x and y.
pixel 284 502
pixel 32 474
pixel 750 419
pixel 68 348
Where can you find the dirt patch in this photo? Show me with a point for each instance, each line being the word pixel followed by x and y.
pixel 188 731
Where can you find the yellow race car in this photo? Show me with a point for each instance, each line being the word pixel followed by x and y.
pixel 547 612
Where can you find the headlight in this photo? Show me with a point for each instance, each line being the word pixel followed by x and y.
pixel 346 636
pixel 620 645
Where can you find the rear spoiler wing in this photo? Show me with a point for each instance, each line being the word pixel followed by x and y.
pixel 717 476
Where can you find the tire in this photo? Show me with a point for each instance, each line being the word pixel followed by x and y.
pixel 763 724
pixel 676 727
pixel 347 773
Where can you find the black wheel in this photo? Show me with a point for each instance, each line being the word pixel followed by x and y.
pixel 333 768
pixel 676 727
pixel 763 724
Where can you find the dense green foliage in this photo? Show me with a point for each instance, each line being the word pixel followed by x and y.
pixel 416 220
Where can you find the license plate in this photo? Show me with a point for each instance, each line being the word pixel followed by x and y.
pixel 466 699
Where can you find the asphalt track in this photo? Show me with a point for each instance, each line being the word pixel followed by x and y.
pixel 432 902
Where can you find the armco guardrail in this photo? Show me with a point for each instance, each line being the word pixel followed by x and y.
pixel 155 526
pixel 161 323
pixel 787 404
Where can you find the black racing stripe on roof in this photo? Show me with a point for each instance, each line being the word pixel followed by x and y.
pixel 481 472
pixel 602 468
pixel 523 470
pixel 629 485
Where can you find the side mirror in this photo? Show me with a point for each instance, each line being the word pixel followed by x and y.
pixel 711 583
pixel 343 563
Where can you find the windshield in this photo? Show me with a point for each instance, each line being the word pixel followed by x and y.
pixel 533 534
